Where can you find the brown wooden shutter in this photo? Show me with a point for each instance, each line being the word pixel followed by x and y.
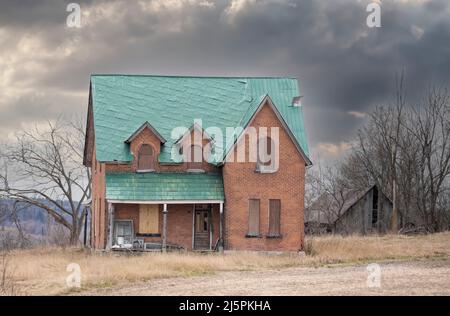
pixel 253 217
pixel 274 217
pixel 146 158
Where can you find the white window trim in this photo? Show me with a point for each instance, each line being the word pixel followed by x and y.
pixel 145 170
pixel 195 170
pixel 265 169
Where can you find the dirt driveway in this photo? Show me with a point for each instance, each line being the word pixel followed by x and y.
pixel 397 278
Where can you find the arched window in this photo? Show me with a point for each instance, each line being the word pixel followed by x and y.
pixel 146 158
pixel 195 157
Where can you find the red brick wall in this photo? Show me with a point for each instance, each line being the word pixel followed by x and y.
pixel 98 208
pixel 242 183
pixel 179 222
pixel 147 137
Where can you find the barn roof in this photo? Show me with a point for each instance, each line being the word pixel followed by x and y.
pixel 325 209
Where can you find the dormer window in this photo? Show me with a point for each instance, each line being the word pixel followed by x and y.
pixel 297 101
pixel 146 159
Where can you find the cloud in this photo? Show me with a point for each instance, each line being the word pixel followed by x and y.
pixel 237 6
pixel 332 150
pixel 417 31
pixel 357 114
pixel 344 67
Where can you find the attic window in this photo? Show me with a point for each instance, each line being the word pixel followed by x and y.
pixel 146 158
pixel 297 101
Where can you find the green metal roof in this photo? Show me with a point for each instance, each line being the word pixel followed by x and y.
pixel 164 186
pixel 122 103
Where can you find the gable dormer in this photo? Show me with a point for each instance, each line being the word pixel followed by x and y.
pixel 192 147
pixel 145 146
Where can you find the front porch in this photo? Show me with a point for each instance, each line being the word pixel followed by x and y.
pixel 164 211
pixel 152 226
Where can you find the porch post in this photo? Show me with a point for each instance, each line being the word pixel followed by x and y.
pixel 221 227
pixel 164 237
pixel 110 226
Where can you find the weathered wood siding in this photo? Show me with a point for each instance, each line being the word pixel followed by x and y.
pixel 358 219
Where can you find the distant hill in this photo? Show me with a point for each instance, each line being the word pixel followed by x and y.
pixel 33 219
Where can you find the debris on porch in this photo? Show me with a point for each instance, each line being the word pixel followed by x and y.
pixel 139 246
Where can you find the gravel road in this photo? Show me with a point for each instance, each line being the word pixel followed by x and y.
pixel 397 278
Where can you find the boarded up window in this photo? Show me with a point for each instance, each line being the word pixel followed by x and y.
pixel 253 217
pixel 274 217
pixel 146 158
pixel 148 219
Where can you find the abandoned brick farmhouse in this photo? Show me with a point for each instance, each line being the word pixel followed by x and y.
pixel 150 189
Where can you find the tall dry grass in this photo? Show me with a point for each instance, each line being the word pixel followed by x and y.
pixel 351 249
pixel 43 271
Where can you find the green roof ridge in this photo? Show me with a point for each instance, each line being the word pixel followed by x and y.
pixel 194 76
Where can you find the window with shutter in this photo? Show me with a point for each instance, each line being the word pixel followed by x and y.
pixel 274 218
pixel 146 158
pixel 253 218
pixel 148 219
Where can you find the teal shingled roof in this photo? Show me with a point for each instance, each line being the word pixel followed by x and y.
pixel 122 103
pixel 164 186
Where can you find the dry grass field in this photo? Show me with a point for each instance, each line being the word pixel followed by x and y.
pixel 43 271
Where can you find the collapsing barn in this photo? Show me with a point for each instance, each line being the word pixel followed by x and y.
pixel 352 212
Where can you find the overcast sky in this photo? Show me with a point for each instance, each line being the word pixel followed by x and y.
pixel 344 67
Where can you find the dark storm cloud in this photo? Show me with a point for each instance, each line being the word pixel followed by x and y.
pixel 342 65
pixel 27 13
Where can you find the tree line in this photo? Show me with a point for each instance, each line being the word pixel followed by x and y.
pixel 404 149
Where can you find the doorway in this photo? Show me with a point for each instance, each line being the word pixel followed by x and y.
pixel 202 227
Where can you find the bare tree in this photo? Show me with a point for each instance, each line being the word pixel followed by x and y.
pixel 378 149
pixel 430 125
pixel 331 195
pixel 406 152
pixel 3 212
pixel 47 171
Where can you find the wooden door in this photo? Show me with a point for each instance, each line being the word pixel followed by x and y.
pixel 202 229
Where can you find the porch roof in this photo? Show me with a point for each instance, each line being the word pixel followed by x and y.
pixel 164 186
